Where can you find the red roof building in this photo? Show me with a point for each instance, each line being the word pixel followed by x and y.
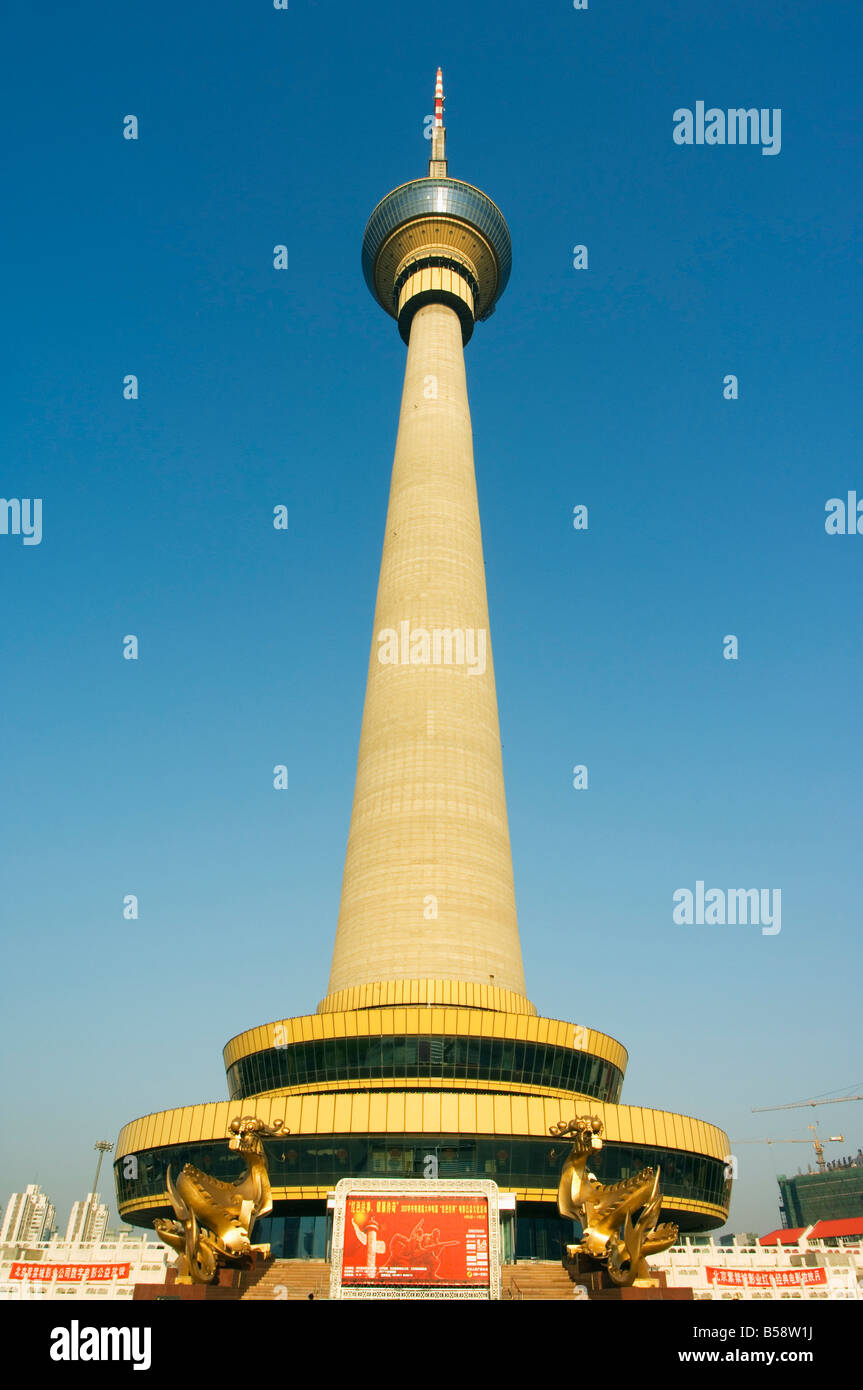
pixel 783 1236
pixel 849 1228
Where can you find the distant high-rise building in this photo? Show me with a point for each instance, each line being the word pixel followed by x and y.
pixel 29 1215
pixel 88 1220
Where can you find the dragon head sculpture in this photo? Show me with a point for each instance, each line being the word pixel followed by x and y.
pixel 247 1132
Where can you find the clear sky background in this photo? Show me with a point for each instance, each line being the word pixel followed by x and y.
pixel 259 387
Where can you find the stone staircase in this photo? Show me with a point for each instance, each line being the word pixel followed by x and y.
pixel 536 1281
pixel 288 1279
pixel 297 1279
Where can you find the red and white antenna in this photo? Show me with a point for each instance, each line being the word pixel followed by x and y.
pixel 438 98
pixel 437 163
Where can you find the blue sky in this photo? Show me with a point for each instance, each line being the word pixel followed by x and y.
pixel 259 387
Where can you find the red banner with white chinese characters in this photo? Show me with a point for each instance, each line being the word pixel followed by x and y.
pixel 68 1274
pixel 416 1240
pixel 765 1278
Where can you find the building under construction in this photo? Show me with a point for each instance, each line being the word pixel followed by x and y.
pixel 832 1195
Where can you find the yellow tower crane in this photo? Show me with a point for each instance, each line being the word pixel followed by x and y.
pixel 815 1141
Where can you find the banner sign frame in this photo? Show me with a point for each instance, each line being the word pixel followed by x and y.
pixel 429 1209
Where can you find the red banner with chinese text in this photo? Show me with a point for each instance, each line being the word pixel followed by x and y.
pixel 765 1278
pixel 416 1240
pixel 67 1273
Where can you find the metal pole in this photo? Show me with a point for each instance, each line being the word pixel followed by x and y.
pixel 103 1147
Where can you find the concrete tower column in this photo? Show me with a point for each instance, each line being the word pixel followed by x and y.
pixel 428 886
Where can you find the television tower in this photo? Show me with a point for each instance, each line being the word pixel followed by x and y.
pixel 426 1058
pixel 428 887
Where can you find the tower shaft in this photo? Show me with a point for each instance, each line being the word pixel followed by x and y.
pixel 428 889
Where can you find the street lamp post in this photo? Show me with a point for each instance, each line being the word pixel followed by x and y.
pixel 103 1147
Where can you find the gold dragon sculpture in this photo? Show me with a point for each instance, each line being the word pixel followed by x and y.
pixel 606 1211
pixel 214 1219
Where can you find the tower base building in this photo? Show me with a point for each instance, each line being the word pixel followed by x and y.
pixel 425 1078
pixel 426 1058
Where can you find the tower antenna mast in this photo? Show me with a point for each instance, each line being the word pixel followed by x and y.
pixel 437 163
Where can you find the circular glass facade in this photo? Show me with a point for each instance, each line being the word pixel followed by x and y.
pixel 437 197
pixel 413 1056
pixel 514 1163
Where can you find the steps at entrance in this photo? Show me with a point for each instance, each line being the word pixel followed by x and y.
pixel 536 1281
pixel 288 1279
pixel 296 1279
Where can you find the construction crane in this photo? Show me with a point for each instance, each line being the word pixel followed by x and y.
pixel 795 1104
pixel 817 1143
